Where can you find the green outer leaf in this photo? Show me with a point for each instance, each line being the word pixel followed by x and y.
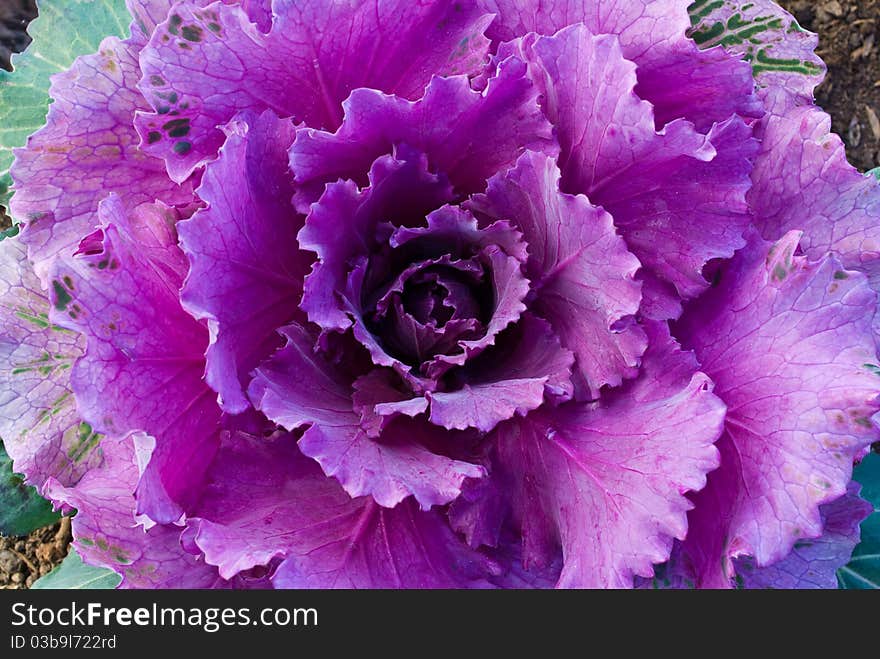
pixel 22 509
pixel 73 574
pixel 863 570
pixel 64 30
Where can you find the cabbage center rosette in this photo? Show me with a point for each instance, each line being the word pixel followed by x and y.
pixel 446 294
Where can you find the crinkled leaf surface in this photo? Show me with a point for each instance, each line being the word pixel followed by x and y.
pixel 813 563
pixel 41 429
pixel 780 51
pixel 788 343
pixel 64 30
pixel 73 574
pixel 21 508
pixel 863 570
pixel 107 534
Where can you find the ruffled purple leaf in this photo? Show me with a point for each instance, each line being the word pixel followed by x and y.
pixel 207 64
pixel 607 481
pixel 144 361
pixel 246 272
pixel 509 380
pixel 678 212
pixel 645 27
pixel 679 80
pixel 442 124
pixel 106 534
pixel 581 270
pixel 452 229
pixel 267 501
pixel 297 387
pixel 677 186
pixel 788 343
pixel 702 86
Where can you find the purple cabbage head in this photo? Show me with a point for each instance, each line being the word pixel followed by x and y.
pixel 445 293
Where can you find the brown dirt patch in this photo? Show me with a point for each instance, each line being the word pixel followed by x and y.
pixel 850 45
pixel 26 559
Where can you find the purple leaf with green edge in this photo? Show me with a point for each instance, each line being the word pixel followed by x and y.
pixel 788 343
pixel 106 533
pixel 325 538
pixel 607 482
pixel 511 407
pixel 208 63
pixel 24 93
pixel 782 54
pixel 867 473
pixel 145 357
pixel 863 570
pixel 39 423
pixel 246 274
pixel 297 388
pixel 704 87
pixel 581 271
pixel 22 509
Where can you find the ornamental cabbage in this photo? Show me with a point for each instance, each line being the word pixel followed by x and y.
pixel 445 293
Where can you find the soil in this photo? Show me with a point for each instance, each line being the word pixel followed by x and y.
pixel 848 42
pixel 14 17
pixel 26 559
